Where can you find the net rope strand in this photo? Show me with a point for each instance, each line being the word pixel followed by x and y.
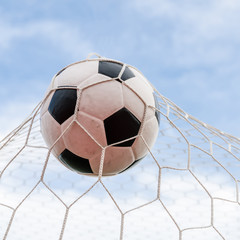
pixel 191 161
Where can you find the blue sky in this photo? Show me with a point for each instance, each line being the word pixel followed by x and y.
pixel 190 50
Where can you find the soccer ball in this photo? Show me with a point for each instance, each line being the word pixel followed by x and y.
pixel 99 111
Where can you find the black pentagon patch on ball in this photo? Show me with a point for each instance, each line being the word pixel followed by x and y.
pixel 75 162
pixel 157 106
pixel 110 69
pixel 121 126
pixel 127 74
pixel 62 105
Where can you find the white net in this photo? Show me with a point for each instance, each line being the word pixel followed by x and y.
pixel 186 188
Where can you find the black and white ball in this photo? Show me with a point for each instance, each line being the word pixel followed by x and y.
pixel 97 107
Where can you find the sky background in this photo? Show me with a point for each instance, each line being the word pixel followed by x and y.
pixel 190 51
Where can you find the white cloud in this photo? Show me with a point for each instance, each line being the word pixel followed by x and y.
pixel 198 32
pixel 66 37
pixel 12 114
pixel 205 15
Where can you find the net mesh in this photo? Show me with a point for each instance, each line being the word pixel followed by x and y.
pixel 186 188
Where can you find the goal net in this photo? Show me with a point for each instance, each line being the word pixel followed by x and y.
pixel 186 188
